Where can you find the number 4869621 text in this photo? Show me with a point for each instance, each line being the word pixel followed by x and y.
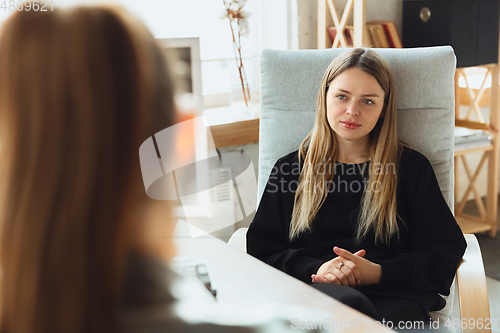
pixel 20 5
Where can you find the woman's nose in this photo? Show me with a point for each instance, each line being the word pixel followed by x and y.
pixel 352 109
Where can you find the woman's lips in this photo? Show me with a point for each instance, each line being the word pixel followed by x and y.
pixel 350 125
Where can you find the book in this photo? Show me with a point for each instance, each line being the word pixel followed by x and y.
pixel 377 33
pixel 349 32
pixel 472 144
pixel 332 32
pixel 391 32
pixel 349 36
pixel 466 138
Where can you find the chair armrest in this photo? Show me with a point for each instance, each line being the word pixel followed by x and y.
pixel 239 240
pixel 472 290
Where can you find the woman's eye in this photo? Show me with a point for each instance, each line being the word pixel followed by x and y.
pixel 368 101
pixel 341 97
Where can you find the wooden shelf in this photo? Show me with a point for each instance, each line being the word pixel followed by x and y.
pixel 472 150
pixel 487 222
pixel 470 225
pixel 356 7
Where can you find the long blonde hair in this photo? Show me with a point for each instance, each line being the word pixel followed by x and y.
pixel 80 90
pixel 319 152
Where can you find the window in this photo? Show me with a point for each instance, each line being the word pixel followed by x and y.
pixel 201 18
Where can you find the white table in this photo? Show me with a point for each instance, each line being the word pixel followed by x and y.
pixel 242 281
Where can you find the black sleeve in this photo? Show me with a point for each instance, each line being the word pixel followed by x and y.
pixel 436 243
pixel 267 236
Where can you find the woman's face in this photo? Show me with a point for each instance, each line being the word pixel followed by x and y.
pixel 354 103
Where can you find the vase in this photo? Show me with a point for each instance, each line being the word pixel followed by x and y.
pixel 241 103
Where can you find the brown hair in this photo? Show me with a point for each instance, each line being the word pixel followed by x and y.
pixel 378 205
pixel 80 90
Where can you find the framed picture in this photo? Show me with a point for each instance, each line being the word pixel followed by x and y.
pixel 184 55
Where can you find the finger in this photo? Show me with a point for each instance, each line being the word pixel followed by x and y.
pixel 341 277
pixel 336 267
pixel 361 253
pixel 346 254
pixel 331 278
pixel 320 279
pixel 346 270
pixel 354 270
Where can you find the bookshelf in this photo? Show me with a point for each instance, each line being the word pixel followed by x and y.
pixel 326 8
pixel 475 99
pixel 376 33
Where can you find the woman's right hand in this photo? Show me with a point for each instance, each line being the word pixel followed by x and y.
pixel 347 275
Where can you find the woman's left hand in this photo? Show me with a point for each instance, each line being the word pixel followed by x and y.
pixel 370 272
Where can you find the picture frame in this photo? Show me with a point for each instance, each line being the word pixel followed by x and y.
pixel 184 53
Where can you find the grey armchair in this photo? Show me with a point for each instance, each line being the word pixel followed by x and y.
pixel 425 102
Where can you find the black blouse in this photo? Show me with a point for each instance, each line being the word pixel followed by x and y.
pixel 423 259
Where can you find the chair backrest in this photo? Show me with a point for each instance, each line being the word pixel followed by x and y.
pixel 424 78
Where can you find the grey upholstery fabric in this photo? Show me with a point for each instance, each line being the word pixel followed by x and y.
pixel 425 103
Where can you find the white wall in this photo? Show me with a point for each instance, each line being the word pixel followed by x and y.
pixel 273 24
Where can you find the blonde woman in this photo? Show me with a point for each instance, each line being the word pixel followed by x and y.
pixel 355 212
pixel 82 248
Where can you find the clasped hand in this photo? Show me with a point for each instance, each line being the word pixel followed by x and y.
pixel 348 269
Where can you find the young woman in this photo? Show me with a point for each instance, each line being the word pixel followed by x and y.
pixel 355 212
pixel 81 246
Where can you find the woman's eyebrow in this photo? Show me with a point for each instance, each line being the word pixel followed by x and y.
pixel 366 95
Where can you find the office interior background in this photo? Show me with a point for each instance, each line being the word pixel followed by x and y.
pixel 273 24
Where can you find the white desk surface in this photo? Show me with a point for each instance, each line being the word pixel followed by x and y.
pixel 242 280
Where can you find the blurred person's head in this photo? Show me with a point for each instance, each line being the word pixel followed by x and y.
pixel 80 90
